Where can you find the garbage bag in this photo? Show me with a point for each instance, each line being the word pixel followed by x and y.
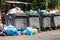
pixel 29 31
pixel 31 11
pixel 44 11
pixel 26 32
pixel 53 12
pixel 24 28
pixel 16 10
pixel 33 31
pixel 11 31
pixel 35 12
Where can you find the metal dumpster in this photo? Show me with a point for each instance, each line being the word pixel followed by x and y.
pixel 34 21
pixel 57 20
pixel 20 20
pixel 46 22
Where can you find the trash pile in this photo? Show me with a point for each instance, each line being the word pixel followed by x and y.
pixel 16 10
pixel 31 11
pixel 53 11
pixel 28 31
pixel 13 31
pixel 9 31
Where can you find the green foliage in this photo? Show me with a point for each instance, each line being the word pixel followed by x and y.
pixel 38 3
pixel 53 3
pixel 3 2
pixel 42 3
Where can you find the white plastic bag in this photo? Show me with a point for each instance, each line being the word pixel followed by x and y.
pixel 16 10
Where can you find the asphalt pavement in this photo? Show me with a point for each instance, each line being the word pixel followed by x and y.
pixel 46 35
